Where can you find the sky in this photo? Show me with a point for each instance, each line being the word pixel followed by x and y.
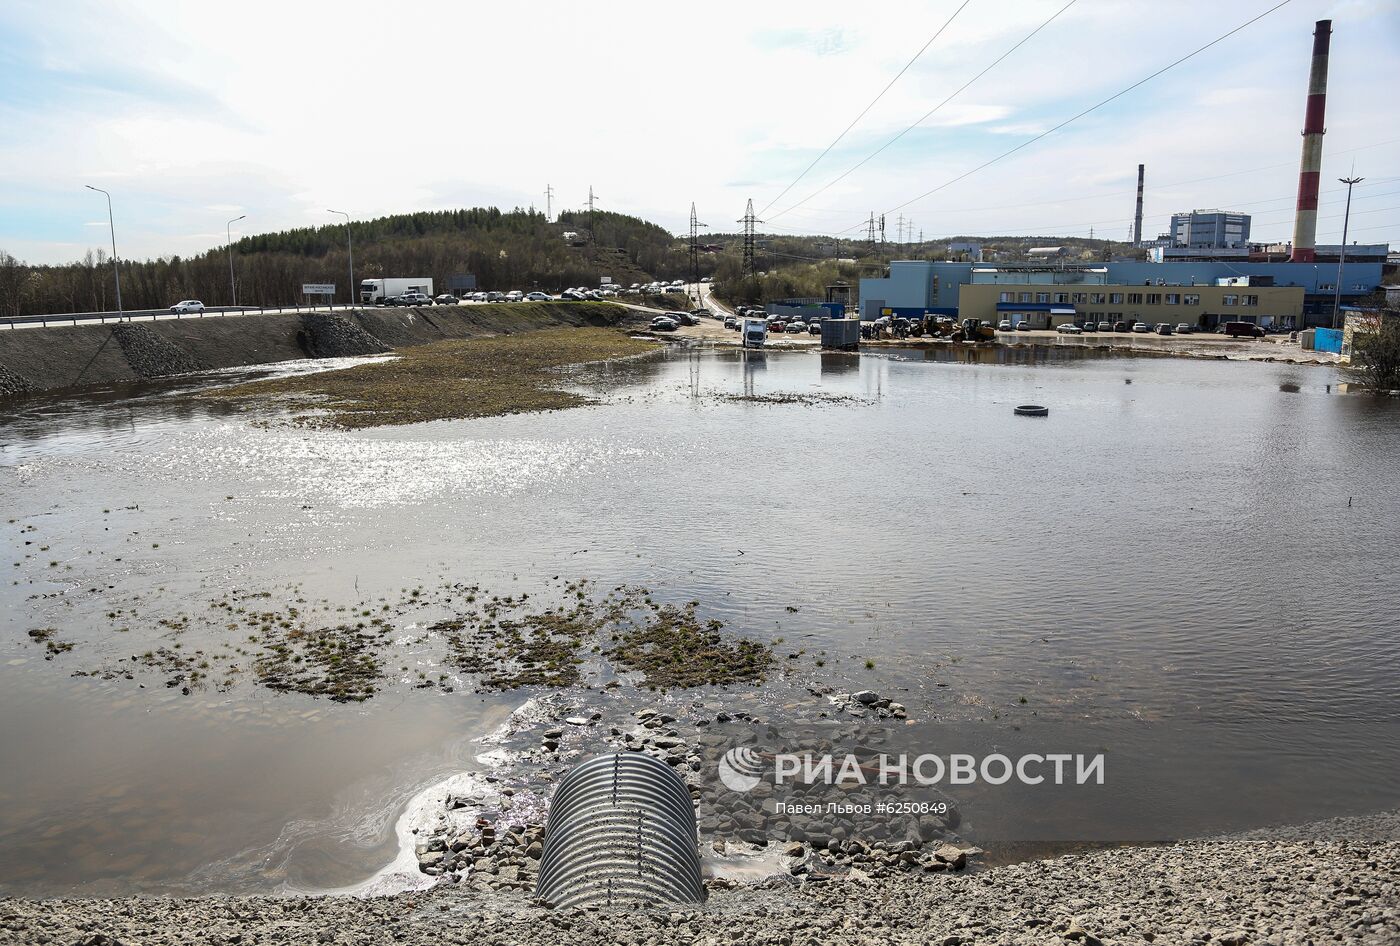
pixel 191 114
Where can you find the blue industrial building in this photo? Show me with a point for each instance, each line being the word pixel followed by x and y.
pixel 925 286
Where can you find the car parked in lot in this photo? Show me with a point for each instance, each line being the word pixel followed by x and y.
pixel 1247 329
pixel 1184 328
pixel 1163 328
pixel 1023 326
pixel 1091 326
pixel 731 321
pixel 1141 327
pixel 1120 326
pixel 445 298
pixel 1004 325
pixel 682 318
pixel 663 324
pixel 814 327
pixel 537 297
pixel 187 307
pixel 796 327
pixel 1069 328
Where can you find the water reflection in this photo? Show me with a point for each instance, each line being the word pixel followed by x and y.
pixel 1151 549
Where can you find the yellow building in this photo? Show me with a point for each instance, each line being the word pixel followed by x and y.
pixel 1049 305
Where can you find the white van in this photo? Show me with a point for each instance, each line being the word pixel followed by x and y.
pixel 754 333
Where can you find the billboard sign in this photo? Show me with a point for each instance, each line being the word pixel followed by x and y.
pixel 318 288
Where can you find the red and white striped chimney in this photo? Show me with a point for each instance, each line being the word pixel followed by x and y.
pixel 1310 172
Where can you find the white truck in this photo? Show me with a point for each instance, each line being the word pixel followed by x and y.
pixel 753 332
pixel 372 290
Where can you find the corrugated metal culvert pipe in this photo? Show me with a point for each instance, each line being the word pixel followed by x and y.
pixel 621 830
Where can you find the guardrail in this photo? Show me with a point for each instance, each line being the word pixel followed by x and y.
pixel 102 318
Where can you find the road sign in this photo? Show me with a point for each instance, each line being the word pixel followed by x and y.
pixel 318 289
pixel 606 281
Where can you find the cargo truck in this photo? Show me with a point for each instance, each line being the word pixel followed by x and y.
pixel 753 332
pixel 372 290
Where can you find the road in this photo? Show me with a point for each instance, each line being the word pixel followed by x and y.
pixel 154 315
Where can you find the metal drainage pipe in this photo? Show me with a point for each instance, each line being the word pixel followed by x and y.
pixel 621 830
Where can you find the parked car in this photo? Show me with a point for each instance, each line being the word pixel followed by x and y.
pixel 1236 329
pixel 1004 325
pixel 1164 328
pixel 1023 326
pixel 814 327
pixel 187 307
pixel 1184 328
pixel 1120 326
pixel 537 297
pixel 415 298
pixel 1091 326
pixel 1069 328
pixel 662 324
pixel 445 298
pixel 1141 327
pixel 731 322
pixel 796 327
pixel 495 297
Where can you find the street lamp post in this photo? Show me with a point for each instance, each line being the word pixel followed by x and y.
pixel 111 224
pixel 1342 256
pixel 350 246
pixel 232 286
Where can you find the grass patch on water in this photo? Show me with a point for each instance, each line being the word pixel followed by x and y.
pixel 477 377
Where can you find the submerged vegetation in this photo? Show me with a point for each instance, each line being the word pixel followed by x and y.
pixel 477 377
pixel 566 635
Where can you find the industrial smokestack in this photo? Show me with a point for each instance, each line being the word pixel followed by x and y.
pixel 1137 218
pixel 1310 172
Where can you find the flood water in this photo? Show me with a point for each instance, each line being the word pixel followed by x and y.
pixel 1177 540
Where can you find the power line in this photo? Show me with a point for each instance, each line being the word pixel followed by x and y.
pixel 867 108
pixel 1156 188
pixel 1092 108
pixel 927 115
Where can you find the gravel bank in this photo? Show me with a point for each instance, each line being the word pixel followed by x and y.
pixel 12 382
pixel 1273 890
pixel 151 355
pixel 333 336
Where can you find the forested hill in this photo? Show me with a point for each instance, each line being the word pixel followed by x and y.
pixel 517 249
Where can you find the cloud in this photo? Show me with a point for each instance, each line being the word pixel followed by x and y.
pixel 194 113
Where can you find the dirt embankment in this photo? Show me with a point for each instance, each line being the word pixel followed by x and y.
pixel 41 359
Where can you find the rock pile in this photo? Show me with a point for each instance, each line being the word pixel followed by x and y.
pixel 12 383
pixel 324 335
pixel 150 355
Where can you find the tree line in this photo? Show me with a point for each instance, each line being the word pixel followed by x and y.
pixel 505 250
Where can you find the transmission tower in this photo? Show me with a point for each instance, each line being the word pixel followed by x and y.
pixel 899 229
pixel 750 269
pixel 591 231
pixel 870 236
pixel 695 226
pixel 548 203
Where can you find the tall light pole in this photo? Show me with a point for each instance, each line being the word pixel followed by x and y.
pixel 1342 256
pixel 116 273
pixel 351 247
pixel 228 232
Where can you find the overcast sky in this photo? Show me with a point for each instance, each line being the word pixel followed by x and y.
pixel 192 113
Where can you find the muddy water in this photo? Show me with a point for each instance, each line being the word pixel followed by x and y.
pixel 1177 540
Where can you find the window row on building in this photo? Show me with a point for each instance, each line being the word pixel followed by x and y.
pixel 1119 298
